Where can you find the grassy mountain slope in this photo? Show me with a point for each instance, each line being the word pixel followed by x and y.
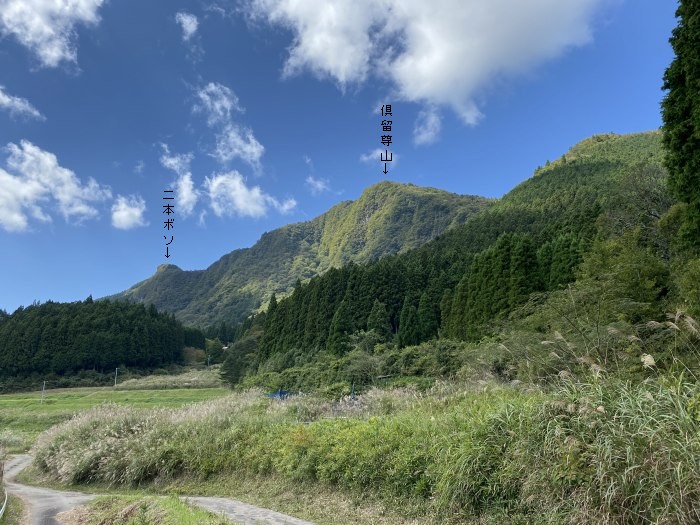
pixel 388 218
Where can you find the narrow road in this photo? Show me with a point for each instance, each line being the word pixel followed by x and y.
pixel 241 512
pixel 45 504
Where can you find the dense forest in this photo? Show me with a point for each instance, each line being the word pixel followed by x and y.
pixel 603 198
pixel 54 339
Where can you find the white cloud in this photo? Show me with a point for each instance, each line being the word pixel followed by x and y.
pixel 238 142
pixel 376 154
pixel 230 196
pixel 188 23
pixel 233 141
pixel 427 127
pixel 138 168
pixel 318 185
pixel 47 27
pixel 18 107
pixel 332 38
pixel 442 52
pixel 127 212
pixel 185 193
pixel 217 102
pixel 33 180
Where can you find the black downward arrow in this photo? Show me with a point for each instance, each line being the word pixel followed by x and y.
pixel 167 254
pixel 385 170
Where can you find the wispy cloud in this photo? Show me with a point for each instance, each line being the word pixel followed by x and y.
pixel 317 185
pixel 34 183
pixel 47 27
pixel 236 142
pixel 185 192
pixel 427 127
pixel 217 102
pixel 18 107
pixel 233 141
pixel 188 23
pixel 127 212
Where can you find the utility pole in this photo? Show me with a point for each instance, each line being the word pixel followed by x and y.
pixel 116 371
pixel 43 389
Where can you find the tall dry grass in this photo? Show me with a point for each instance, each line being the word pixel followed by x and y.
pixel 593 452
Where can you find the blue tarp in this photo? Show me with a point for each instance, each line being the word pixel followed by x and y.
pixel 280 394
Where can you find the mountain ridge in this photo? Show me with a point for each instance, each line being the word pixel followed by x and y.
pixel 388 218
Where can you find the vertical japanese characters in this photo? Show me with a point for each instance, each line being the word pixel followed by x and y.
pixel 169 222
pixel 386 156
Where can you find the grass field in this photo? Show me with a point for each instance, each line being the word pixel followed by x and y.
pixel 25 415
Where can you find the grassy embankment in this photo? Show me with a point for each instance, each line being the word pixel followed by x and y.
pixel 14 513
pixel 594 452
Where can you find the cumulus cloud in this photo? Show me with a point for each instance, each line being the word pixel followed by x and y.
pixel 18 107
pixel 34 181
pixel 331 38
pixel 443 52
pixel 230 196
pixel 186 194
pixel 127 212
pixel 188 23
pixel 47 27
pixel 318 185
pixel 427 127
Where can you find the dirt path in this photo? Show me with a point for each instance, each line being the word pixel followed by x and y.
pixel 45 504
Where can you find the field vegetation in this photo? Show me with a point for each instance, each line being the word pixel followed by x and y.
pixel 23 416
pixel 135 510
pixel 599 451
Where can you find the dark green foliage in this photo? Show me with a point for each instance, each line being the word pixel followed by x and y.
pixel 238 357
pixel 409 325
pixel 681 115
pixel 65 338
pixel 378 321
pixel 341 328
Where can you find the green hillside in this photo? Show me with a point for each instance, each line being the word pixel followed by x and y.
pixel 388 218
pixel 464 285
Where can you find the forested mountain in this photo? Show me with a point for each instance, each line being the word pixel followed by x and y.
pixel 388 218
pixel 460 285
pixel 65 338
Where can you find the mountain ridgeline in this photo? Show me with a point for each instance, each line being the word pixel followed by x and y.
pixel 464 283
pixel 388 218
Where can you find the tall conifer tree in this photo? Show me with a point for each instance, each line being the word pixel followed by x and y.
pixel 681 116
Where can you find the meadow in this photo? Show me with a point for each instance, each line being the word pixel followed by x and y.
pixel 23 416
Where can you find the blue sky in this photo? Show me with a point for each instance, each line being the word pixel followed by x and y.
pixel 258 113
